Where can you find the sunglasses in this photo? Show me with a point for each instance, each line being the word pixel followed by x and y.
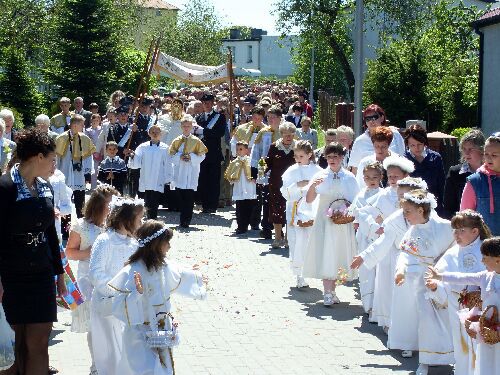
pixel 372 118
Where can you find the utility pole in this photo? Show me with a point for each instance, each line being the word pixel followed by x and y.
pixel 358 69
pixel 311 82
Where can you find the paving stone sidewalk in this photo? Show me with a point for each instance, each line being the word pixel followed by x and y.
pixel 254 321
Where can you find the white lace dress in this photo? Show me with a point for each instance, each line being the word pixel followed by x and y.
pixel 88 234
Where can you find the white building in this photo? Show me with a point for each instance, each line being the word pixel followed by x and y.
pixel 488 28
pixel 261 54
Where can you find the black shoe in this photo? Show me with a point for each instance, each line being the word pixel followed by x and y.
pixel 209 211
pixel 255 227
pixel 184 225
pixel 240 231
pixel 266 234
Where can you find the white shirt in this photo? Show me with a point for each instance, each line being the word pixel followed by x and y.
pixel 244 189
pixel 185 173
pixel 154 162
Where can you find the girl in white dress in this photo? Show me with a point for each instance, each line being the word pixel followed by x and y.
pixel 81 238
pixel 470 231
pixel 488 356
pixel 365 235
pixel 299 213
pixel 427 239
pixel 331 246
pixel 108 255
pixel 144 303
pixel 386 203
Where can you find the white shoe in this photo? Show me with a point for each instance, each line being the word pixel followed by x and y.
pixel 301 283
pixel 422 369
pixel 328 299
pixel 335 298
pixel 406 354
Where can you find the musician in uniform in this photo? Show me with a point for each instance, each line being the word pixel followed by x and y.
pixel 212 129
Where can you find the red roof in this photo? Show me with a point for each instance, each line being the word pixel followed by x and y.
pixel 489 18
pixel 157 4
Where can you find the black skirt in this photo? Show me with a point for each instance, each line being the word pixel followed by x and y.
pixel 30 299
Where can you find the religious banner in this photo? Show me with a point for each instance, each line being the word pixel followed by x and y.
pixel 190 73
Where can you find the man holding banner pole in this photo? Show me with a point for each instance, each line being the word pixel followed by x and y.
pixel 212 128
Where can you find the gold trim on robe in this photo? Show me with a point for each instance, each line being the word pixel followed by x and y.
pixel 233 171
pixel 192 144
pixel 267 129
pixel 244 132
pixel 62 146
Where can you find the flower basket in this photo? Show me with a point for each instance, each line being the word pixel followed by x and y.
pixel 489 326
pixel 470 299
pixel 473 319
pixel 305 224
pixel 338 212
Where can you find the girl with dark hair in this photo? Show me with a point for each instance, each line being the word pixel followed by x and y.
pixel 470 231
pixel 109 253
pixel 29 255
pixel 143 303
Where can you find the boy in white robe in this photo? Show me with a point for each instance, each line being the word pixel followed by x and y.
pixel 151 158
pixel 187 152
pixel 239 174
pixel 143 303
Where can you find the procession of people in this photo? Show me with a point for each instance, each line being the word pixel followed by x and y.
pixel 379 208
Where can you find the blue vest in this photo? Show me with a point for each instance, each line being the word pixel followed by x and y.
pixel 479 182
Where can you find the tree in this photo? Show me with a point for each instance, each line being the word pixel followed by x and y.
pixel 18 88
pixel 85 49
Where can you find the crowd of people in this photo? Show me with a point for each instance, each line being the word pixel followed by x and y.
pixel 378 207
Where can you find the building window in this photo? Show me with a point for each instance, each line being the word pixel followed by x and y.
pixel 249 57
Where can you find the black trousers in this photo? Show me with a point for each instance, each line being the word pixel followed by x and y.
pixel 262 208
pixel 170 199
pixel 152 202
pixel 79 200
pixel 244 210
pixel 133 183
pixel 186 205
pixel 209 185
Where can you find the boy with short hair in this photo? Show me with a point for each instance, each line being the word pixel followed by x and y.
pixel 239 174
pixel 113 170
pixel 187 152
pixel 151 158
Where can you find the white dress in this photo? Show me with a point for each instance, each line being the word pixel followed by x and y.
pixel 110 252
pixel 465 259
pixel 62 198
pixel 488 356
pixel 385 203
pixel 363 146
pixel 421 246
pixel 364 237
pixel 81 315
pixel 134 309
pixel 331 246
pixel 298 209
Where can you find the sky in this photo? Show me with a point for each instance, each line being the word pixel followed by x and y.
pixel 252 13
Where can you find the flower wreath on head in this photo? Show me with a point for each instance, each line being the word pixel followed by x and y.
pixel 415 182
pixel 428 199
pixel 158 233
pixel 471 213
pixel 120 201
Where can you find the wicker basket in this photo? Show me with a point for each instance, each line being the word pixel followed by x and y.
pixel 488 326
pixel 305 224
pixel 467 324
pixel 341 218
pixel 470 299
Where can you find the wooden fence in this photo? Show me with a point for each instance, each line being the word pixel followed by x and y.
pixel 333 112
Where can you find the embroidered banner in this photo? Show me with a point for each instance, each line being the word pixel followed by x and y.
pixel 190 73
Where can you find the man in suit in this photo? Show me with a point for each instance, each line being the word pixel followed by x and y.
pixel 78 104
pixel 212 126
pixel 296 118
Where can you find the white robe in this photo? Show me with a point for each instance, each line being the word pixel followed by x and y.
pixel 488 356
pixel 134 309
pixel 364 237
pixel 110 252
pixel 62 198
pixel 186 173
pixel 170 129
pixel 154 162
pixel 385 203
pixel 75 179
pixel 363 146
pixel 421 246
pixel 465 259
pixel 298 209
pixel 331 246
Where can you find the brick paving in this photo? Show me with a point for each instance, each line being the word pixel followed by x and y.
pixel 254 321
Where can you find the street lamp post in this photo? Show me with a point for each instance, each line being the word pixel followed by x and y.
pixel 358 68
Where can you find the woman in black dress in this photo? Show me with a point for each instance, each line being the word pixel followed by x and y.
pixel 29 256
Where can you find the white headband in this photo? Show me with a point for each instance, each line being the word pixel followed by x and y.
pixel 119 201
pixel 144 241
pixel 470 213
pixel 428 199
pixel 416 182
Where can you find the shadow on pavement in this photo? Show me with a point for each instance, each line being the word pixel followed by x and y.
pixel 281 252
pixel 53 335
pixel 172 218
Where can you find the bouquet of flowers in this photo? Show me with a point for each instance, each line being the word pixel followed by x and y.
pixel 342 277
pixel 338 211
pixel 261 171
